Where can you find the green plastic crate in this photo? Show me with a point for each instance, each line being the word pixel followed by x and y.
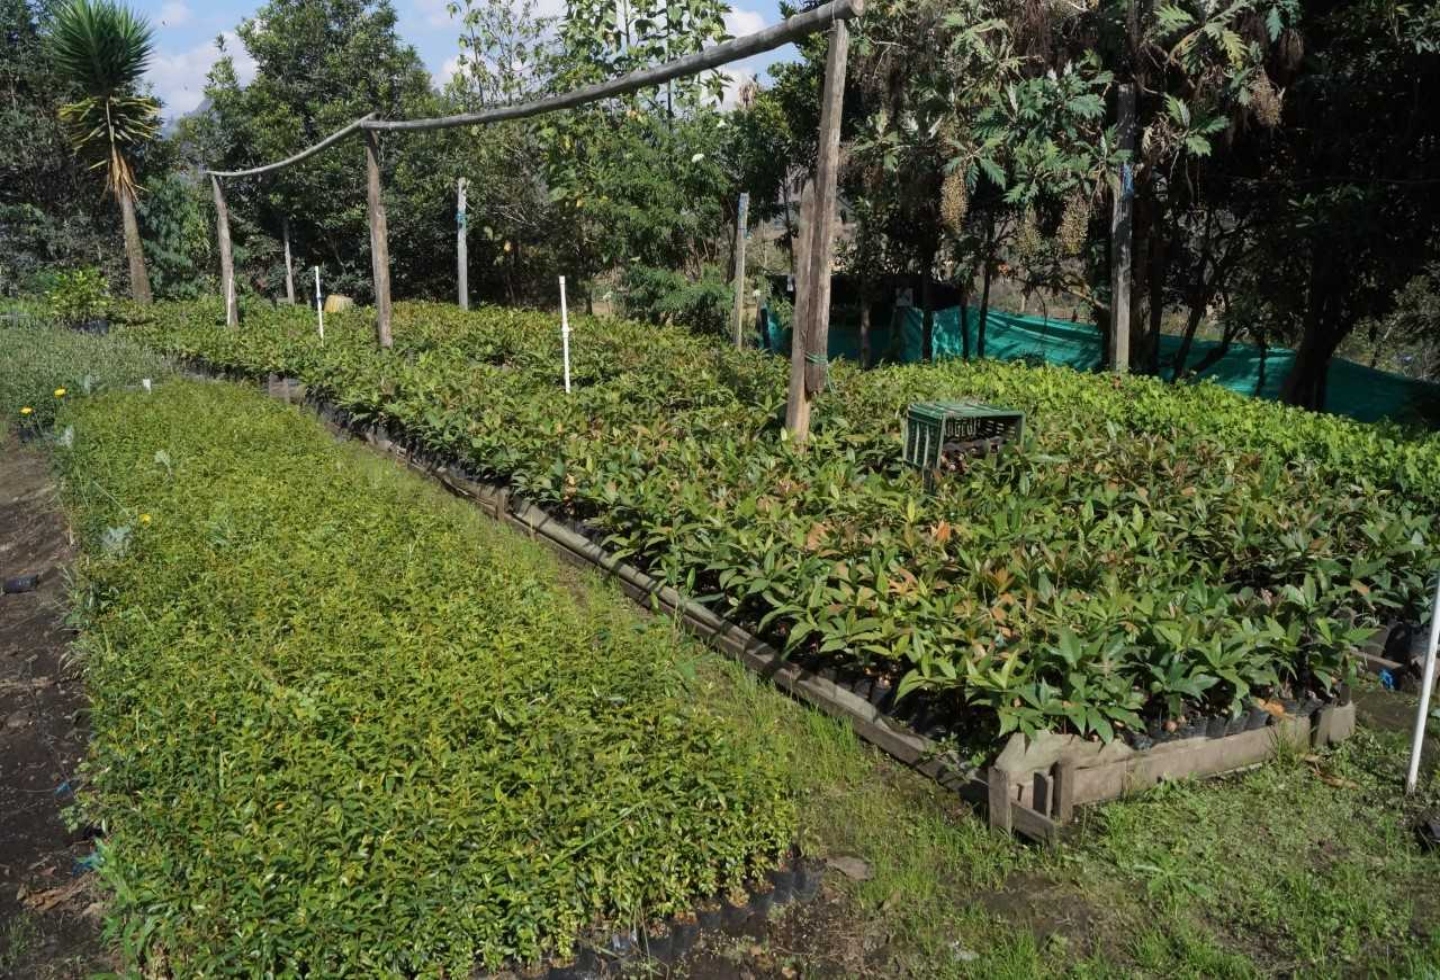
pixel 930 426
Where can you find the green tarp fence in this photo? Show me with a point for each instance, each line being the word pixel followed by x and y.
pixel 1352 389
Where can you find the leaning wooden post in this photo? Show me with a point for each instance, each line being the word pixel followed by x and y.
pixel 816 324
pixel 740 221
pixel 227 260
pixel 1122 202
pixel 379 243
pixel 462 252
pixel 289 264
pixel 797 406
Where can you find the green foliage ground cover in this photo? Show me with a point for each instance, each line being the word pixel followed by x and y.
pixel 344 726
pixel 39 360
pixel 1148 552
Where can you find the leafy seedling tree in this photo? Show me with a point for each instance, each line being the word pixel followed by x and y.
pixel 102 49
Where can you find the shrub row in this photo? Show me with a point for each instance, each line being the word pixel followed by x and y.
pixel 343 726
pixel 1150 552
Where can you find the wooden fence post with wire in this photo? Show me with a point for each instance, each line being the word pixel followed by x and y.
pixel 831 16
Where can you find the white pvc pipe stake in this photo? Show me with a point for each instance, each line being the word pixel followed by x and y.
pixel 565 334
pixel 319 305
pixel 1426 686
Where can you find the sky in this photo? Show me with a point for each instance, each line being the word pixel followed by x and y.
pixel 186 33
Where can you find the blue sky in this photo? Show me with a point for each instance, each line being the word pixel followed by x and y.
pixel 186 30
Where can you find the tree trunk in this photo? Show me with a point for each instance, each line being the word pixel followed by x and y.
pixel 965 315
pixel 988 273
pixel 227 257
pixel 1192 324
pixel 1305 384
pixel 927 315
pixel 1121 231
pixel 379 239
pixel 289 262
pixel 134 249
pixel 1158 263
pixel 864 321
pixel 738 260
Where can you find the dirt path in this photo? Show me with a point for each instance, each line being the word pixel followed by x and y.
pixel 49 927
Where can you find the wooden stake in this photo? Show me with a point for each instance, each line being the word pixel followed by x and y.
pixel 740 221
pixel 822 247
pixel 379 243
pixel 462 254
pixel 227 260
pixel 289 265
pixel 1121 232
pixel 797 406
pixel 814 328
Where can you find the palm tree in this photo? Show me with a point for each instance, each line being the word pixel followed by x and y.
pixel 102 49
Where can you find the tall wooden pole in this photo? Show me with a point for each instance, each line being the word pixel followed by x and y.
pixel 227 260
pixel 462 251
pixel 740 222
pixel 820 252
pixel 1121 232
pixel 289 264
pixel 379 239
pixel 797 406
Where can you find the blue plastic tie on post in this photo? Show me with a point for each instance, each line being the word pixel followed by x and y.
pixel 1127 180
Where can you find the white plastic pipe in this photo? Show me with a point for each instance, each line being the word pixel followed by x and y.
pixel 1426 686
pixel 319 305
pixel 565 334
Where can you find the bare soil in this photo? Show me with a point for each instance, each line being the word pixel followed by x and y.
pixel 49 922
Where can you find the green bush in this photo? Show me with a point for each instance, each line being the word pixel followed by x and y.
pixel 38 361
pixel 344 726
pixel 78 296
pixel 704 305
pixel 1150 551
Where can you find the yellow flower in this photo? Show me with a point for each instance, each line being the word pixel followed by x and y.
pixel 59 392
pixel 26 410
pixel 144 518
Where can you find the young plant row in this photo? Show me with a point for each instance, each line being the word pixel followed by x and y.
pixel 343 726
pixel 1149 553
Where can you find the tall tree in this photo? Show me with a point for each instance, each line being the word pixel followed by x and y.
pixel 319 65
pixel 103 49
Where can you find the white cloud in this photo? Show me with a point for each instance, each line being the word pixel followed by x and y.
pixel 741 22
pixel 175 13
pixel 447 71
pixel 434 13
pixel 179 78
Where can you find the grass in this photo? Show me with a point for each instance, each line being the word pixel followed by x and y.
pixel 1304 865
pixel 1301 866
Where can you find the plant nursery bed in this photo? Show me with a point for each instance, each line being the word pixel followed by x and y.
pixel 344 725
pixel 1034 784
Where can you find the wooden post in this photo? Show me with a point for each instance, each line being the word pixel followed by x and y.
pixel 820 250
pixel 379 243
pixel 289 264
pixel 797 406
pixel 1121 231
pixel 227 260
pixel 462 254
pixel 740 221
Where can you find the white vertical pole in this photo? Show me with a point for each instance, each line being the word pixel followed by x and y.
pixel 319 305
pixel 565 333
pixel 1427 685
